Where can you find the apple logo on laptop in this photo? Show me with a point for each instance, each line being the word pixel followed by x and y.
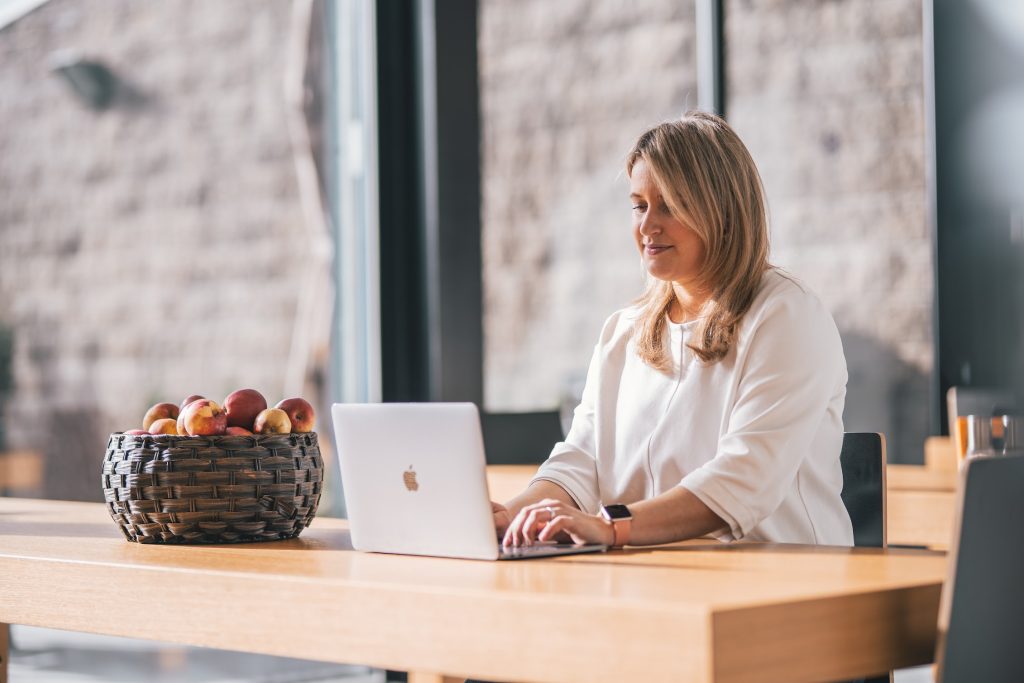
pixel 410 479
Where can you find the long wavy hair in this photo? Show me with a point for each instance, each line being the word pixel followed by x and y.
pixel 698 162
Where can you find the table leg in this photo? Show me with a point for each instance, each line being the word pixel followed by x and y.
pixel 5 650
pixel 417 677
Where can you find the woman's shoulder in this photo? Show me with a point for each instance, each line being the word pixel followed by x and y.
pixel 783 294
pixel 789 324
pixel 619 324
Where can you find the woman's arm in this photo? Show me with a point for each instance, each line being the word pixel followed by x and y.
pixel 675 515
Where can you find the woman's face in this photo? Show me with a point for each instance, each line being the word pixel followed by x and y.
pixel 671 250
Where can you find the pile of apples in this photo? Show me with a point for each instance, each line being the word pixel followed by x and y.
pixel 244 413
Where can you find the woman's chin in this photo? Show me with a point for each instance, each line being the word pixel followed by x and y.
pixel 663 274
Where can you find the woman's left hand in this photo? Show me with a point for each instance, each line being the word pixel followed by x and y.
pixel 553 520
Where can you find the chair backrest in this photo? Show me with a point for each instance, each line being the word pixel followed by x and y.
pixel 981 615
pixel 863 461
pixel 520 438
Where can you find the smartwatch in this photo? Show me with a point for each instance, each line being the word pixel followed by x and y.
pixel 621 520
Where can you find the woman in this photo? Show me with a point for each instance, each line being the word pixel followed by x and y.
pixel 714 405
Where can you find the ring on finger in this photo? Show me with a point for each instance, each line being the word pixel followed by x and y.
pixel 551 511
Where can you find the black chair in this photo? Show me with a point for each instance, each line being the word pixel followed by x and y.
pixel 982 610
pixel 863 461
pixel 520 438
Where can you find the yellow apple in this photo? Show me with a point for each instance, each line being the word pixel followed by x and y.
pixel 272 421
pixel 165 425
pixel 159 412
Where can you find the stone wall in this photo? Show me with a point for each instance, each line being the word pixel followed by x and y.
pixel 154 249
pixel 829 98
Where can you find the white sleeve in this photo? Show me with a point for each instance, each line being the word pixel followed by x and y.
pixel 790 372
pixel 572 463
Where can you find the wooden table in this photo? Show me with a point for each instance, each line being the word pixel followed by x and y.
pixel 685 612
pixel 921 505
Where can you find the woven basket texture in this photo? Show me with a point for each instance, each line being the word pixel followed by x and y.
pixel 212 489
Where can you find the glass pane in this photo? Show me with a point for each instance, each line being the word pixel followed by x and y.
pixel 565 89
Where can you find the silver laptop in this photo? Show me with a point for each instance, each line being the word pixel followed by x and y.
pixel 415 482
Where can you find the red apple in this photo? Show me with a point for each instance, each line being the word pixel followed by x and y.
pixel 238 431
pixel 243 406
pixel 159 412
pixel 301 414
pixel 272 421
pixel 193 397
pixel 166 425
pixel 137 432
pixel 204 418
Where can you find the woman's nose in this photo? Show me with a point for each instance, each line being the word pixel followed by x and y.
pixel 649 224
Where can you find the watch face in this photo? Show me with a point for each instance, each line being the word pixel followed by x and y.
pixel 617 512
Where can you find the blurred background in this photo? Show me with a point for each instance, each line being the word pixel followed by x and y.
pixel 399 200
pixel 198 197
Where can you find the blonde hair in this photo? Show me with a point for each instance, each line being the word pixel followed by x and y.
pixel 708 179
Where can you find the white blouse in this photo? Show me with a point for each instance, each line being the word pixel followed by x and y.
pixel 755 436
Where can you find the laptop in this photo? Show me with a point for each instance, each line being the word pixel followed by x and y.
pixel 414 477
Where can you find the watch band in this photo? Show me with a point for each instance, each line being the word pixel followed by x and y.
pixel 621 528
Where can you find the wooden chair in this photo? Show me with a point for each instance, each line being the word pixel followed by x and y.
pixel 863 461
pixel 982 610
pixel 940 453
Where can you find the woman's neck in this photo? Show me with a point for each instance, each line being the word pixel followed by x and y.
pixel 687 303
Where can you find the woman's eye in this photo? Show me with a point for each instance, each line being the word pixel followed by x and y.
pixel 639 207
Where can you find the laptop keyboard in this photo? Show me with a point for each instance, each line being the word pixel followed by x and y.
pixel 524 552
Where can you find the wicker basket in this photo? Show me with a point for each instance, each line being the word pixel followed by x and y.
pixel 212 489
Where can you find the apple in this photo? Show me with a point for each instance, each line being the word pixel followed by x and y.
pixel 204 418
pixel 301 414
pixel 181 424
pixel 272 421
pixel 238 431
pixel 243 406
pixel 181 418
pixel 159 412
pixel 193 397
pixel 166 425
pixel 137 432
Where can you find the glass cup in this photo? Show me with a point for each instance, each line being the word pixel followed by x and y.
pixel 1013 434
pixel 979 436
